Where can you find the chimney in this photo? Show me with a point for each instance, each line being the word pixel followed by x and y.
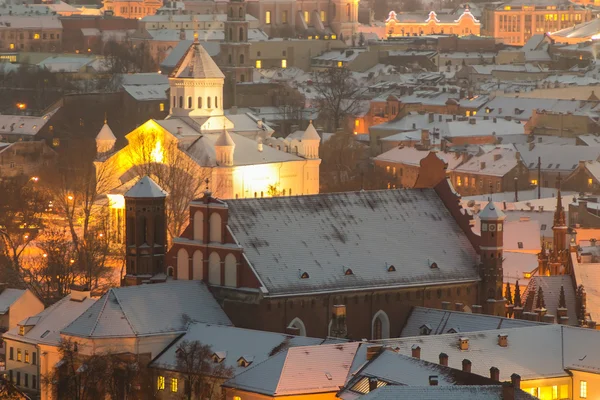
pixel 591 324
pixel 259 146
pixel 372 351
pixel 503 340
pixel 453 117
pixel 425 140
pixel 495 374
pixel 476 309
pixel 482 165
pixel 79 293
pixel 339 328
pixel 373 383
pixel 179 130
pixel 445 305
pixel 444 359
pixel 416 351
pixel 414 126
pixel 472 121
pixel 518 155
pixel 459 306
pixel 508 118
pixel 497 157
pixel 466 365
pixel 540 139
pixel 515 379
pixel 440 118
pixel 433 380
pixel 463 342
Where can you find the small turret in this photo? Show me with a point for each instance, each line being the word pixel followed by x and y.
pixel 310 142
pixel 224 148
pixel 105 140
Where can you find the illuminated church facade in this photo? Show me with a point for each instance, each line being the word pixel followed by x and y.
pixel 232 154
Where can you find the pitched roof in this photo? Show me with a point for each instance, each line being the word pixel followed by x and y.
pixel 7 297
pixel 106 133
pixel 300 370
pixel 145 188
pixel 326 235
pixel 197 64
pixel 252 345
pixel 551 288
pixel 311 133
pixel 52 320
pixel 491 212
pixel 557 157
pixel 224 139
pixel 148 309
pixel 441 321
pixel 490 392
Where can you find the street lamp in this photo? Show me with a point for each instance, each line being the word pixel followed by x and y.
pixel 21 106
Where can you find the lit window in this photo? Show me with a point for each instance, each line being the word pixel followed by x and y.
pixel 387 169
pixel 468 113
pixel 474 113
pixel 21 330
pixel 458 181
pixel 12 46
pixel 161 383
pixel 590 182
pixel 534 182
pixel 284 18
pixel 268 17
pixel 307 17
pixel 323 16
pixel 356 122
pixel 19 355
pixel 36 35
pixel 507 8
pixel 174 385
pixel 258 64
pixel 237 398
pixel 555 392
pixel 340 64
pixel 333 37
pixel 583 389
pixel 161 106
pixel 27 356
pixel 484 227
pixel 56 142
pixel 283 63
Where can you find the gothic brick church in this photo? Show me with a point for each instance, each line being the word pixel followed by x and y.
pixel 282 264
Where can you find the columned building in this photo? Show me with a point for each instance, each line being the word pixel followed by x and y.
pixel 409 24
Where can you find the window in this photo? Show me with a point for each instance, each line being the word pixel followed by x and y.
pixel 323 16
pixel 174 385
pixel 189 102
pixel 534 182
pixel 208 102
pixel 340 64
pixel 12 46
pixel 377 328
pixel 34 358
pixel 199 102
pixel 18 378
pixel 237 398
pixel 27 356
pixel 33 382
pixel 484 227
pixel 583 389
pixel 590 182
pixel 241 59
pixel 306 17
pixel 258 64
pixel 180 101
pixel 12 354
pixel 268 17
pixel 19 355
pixel 284 18
pixel 520 245
pixel 458 181
pixel 26 380
pixel 21 330
pixel 161 106
pixel 36 36
pixel 216 102
pixel 161 383
pixel 283 63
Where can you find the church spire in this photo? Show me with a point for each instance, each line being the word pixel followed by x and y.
pixel 559 214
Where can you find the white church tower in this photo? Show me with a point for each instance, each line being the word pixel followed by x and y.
pixel 196 85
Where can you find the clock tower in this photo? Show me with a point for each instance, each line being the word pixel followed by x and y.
pixel 490 268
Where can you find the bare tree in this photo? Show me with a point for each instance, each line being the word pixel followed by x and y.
pixel 22 205
pixel 290 104
pixel 125 58
pixel 344 163
pixel 339 95
pixel 201 374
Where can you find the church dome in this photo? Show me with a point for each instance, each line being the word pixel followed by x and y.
pixel 197 64
pixel 106 134
pixel 311 133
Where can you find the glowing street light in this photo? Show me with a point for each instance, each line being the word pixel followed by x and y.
pixel 35 178
pixel 21 106
pixel 70 197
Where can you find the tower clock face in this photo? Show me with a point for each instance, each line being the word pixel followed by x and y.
pixel 492 227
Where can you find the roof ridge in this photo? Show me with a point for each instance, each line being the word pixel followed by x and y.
pixel 124 313
pixel 99 314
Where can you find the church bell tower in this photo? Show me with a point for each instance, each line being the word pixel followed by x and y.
pixel 492 240
pixel 145 232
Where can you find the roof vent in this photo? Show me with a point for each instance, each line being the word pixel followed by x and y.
pixel 304 275
pixel 464 343
pixel 328 376
pixel 432 264
pixel 433 380
pixel 391 268
pixel 503 340
pixel 348 271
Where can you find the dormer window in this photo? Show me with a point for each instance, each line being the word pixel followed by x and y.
pixel 453 330
pixel 391 268
pixel 432 264
pixel 245 361
pixel 219 356
pixel 425 330
pixel 21 330
pixel 348 271
pixel 304 275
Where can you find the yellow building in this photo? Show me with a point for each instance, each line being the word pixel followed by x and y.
pixel 200 146
pixel 132 9
pixel 416 24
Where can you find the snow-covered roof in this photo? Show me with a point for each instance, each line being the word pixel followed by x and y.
pixel 146 188
pixel 23 125
pixel 300 371
pixel 590 139
pixel 551 288
pixel 69 63
pixel 212 35
pixel 52 320
pixel 29 22
pixel 146 86
pixel 177 53
pixel 491 213
pixel 479 392
pixel 158 308
pixel 531 351
pixel 106 133
pixel 311 133
pixel 254 346
pixel 413 156
pixel 583 30
pixel 556 157
pixel 516 265
pixel 7 297
pixel 498 162
pixel 442 321
pixel 366 232
pixel 522 107
pixel 197 64
pixel 587 274
pixel 519 236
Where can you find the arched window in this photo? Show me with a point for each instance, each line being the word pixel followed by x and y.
pixel 229 58
pixel 197 266
pixel 170 271
pixel 242 78
pixel 183 265
pixel 380 326
pixel 298 324
pixel 180 101
pixel 333 10
pixel 198 225
pixel 241 59
pixel 190 102
pixel 348 9
pixel 215 227
pixel 231 12
pixel 230 271
pixel 241 13
pixel 174 101
pixel 230 33
pixel 208 102
pixel 241 38
pixel 214 269
pixel 216 102
pixel 199 102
